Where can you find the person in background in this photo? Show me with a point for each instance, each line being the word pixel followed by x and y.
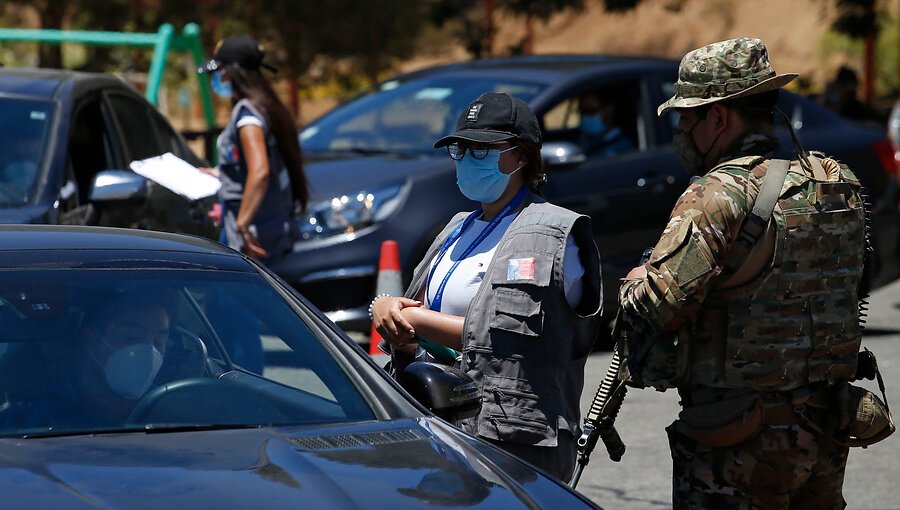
pixel 841 96
pixel 599 134
pixel 19 167
pixel 514 286
pixel 260 163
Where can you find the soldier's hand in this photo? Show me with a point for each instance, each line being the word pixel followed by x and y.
pixel 637 273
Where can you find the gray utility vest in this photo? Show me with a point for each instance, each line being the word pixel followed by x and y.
pixel 522 343
pixel 277 206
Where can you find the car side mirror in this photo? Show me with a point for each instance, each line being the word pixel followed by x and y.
pixel 446 391
pixel 562 153
pixel 110 185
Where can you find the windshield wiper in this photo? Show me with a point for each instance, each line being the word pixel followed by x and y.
pixel 150 428
pixel 366 151
pixel 160 428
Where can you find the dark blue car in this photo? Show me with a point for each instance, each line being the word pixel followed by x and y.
pixel 147 370
pixel 66 141
pixel 375 175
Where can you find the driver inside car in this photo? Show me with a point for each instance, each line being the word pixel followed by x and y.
pixel 121 345
pixel 124 345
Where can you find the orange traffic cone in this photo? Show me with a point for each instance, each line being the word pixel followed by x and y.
pixel 389 281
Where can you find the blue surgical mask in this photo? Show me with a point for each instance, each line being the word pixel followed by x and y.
pixel 219 87
pixel 481 179
pixel 592 125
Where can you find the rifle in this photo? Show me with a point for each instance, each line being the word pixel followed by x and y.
pixel 600 420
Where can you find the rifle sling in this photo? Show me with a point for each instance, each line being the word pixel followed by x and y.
pixel 755 224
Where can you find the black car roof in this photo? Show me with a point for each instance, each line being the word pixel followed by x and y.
pixel 542 67
pixel 61 245
pixel 43 83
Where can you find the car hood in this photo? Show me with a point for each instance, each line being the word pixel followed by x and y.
pixel 395 464
pixel 23 214
pixel 330 177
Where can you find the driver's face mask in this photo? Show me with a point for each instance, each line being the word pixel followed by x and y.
pixel 592 124
pixel 130 370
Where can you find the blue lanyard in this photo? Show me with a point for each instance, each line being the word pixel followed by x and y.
pixel 510 207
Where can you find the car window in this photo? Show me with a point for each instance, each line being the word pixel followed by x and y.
pixel 90 149
pixel 404 117
pixel 604 121
pixel 671 117
pixel 137 127
pixel 24 134
pixel 168 139
pixel 801 111
pixel 85 350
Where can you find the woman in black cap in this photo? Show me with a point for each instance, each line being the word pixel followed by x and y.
pixel 259 154
pixel 513 287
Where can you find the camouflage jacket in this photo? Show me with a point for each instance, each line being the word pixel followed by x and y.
pixel 786 315
pixel 705 220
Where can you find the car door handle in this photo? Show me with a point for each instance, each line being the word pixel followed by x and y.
pixel 655 180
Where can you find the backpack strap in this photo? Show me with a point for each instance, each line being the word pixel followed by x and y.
pixel 755 224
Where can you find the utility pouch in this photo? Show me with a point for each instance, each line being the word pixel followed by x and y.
pixel 660 361
pixel 863 419
pixel 723 423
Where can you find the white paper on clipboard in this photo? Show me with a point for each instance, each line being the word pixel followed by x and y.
pixel 177 175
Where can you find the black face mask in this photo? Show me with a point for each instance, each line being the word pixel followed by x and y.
pixel 693 159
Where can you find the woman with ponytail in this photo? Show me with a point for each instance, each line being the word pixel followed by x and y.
pixel 260 164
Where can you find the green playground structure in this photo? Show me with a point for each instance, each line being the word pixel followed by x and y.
pixel 165 40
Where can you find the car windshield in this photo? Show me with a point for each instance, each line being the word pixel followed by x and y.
pixel 94 350
pixel 404 117
pixel 23 141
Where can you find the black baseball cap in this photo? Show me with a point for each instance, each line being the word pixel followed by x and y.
pixel 242 50
pixel 494 118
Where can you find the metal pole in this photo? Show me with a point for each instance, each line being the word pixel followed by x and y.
pixel 191 39
pixel 158 64
pixel 78 36
pixel 191 33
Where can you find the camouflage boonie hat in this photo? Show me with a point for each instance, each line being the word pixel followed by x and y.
pixel 724 70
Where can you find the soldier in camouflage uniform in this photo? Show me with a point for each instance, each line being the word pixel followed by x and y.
pixel 756 342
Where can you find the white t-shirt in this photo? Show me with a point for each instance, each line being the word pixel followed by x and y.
pixel 467 277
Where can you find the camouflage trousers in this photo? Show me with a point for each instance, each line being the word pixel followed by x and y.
pixel 784 467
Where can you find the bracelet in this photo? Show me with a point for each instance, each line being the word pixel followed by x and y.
pixel 372 304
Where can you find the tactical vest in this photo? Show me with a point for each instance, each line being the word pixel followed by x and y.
pixel 522 344
pixel 796 323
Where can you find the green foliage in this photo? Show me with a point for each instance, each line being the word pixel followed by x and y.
pixel 856 18
pixel 540 9
pixel 464 21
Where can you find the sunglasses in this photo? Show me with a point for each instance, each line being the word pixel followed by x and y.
pixel 457 151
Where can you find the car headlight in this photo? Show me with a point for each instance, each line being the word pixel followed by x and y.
pixel 346 214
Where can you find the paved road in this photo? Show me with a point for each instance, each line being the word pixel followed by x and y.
pixel 642 479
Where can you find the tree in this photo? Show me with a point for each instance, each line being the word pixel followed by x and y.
pixel 540 9
pixel 471 21
pixel 51 14
pixel 857 19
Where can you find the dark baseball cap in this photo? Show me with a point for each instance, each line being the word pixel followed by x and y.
pixel 494 118
pixel 242 50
